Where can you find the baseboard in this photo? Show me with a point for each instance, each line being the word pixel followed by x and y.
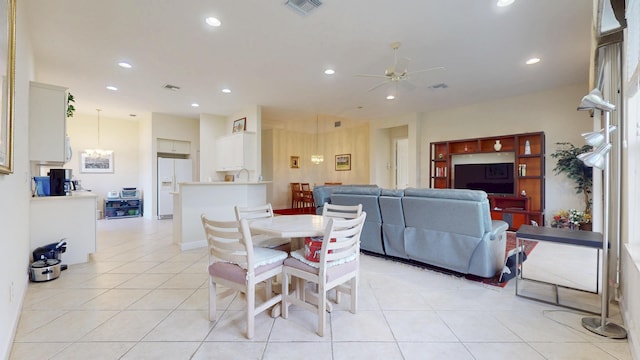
pixel 193 245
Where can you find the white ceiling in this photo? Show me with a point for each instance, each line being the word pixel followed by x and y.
pixel 269 55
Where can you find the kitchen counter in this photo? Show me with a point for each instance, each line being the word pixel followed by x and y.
pixel 214 199
pixel 76 195
pixel 72 217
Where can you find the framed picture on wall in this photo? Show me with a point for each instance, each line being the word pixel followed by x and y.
pixel 343 162
pixel 294 162
pixel 240 125
pixel 96 162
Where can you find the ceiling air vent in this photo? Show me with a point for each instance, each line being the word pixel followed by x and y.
pixel 439 86
pixel 303 7
pixel 171 87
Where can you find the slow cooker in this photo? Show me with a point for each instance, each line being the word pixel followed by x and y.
pixel 44 270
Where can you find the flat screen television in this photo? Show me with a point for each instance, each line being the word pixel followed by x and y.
pixel 491 178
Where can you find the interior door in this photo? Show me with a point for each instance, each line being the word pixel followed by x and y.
pixel 402 163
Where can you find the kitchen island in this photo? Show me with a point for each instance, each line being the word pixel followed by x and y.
pixel 73 218
pixel 214 199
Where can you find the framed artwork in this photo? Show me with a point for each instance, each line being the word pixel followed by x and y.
pixel 240 125
pixel 7 84
pixel 96 162
pixel 343 162
pixel 294 162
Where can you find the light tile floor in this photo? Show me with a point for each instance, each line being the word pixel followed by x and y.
pixel 142 298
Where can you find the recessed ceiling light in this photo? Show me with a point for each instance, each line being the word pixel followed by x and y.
pixel 329 71
pixel 195 104
pixel 532 61
pixel 124 64
pixel 226 91
pixel 502 3
pixel 390 97
pixel 211 21
pixel 112 88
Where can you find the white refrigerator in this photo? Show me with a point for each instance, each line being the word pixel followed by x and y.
pixel 170 173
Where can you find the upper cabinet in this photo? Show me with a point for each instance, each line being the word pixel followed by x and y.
pixel 168 146
pixel 237 151
pixel 47 123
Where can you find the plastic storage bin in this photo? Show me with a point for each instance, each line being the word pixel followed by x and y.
pixel 43 185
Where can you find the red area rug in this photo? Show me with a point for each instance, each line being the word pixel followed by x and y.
pixel 295 211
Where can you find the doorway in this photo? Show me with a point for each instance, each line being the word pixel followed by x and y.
pixel 402 163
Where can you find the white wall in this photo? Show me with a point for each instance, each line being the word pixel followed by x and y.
pixel 286 143
pixel 119 135
pixel 553 112
pixel 211 127
pixel 15 192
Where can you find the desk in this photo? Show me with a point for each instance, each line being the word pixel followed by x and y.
pixel 560 236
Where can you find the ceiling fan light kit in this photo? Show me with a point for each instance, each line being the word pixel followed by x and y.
pixel 397 72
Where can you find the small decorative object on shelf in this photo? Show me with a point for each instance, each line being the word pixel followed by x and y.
pixel 497 146
pixel 522 169
pixel 527 148
pixel 440 156
pixel 523 193
pixel 466 149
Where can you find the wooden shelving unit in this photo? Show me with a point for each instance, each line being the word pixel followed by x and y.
pixel 516 209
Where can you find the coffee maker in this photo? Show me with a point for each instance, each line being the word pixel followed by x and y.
pixel 60 182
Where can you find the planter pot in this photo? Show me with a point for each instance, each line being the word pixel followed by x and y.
pixel 586 226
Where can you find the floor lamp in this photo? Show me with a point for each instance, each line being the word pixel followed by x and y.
pixel 599 158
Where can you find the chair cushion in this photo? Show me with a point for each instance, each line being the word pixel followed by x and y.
pixel 299 255
pixel 333 272
pixel 265 256
pixel 235 273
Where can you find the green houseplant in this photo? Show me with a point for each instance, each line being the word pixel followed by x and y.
pixel 70 108
pixel 569 164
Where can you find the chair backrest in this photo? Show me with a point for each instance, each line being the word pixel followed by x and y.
pixel 341 239
pixel 229 241
pixel 305 186
pixel 341 211
pixel 254 212
pixel 296 187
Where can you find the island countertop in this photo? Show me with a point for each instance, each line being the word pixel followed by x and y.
pixel 198 183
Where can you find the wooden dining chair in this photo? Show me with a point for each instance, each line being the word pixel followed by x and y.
pixel 341 211
pixel 307 195
pixel 262 240
pixel 237 265
pixel 338 265
pixel 296 195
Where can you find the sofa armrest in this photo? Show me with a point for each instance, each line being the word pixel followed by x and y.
pixel 497 227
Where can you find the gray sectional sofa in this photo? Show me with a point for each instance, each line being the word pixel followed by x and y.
pixel 447 228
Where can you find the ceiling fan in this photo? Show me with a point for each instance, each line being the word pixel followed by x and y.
pixel 398 72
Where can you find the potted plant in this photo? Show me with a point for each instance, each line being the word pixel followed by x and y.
pixel 70 108
pixel 569 164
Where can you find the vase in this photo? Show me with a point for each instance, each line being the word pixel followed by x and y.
pixel 497 146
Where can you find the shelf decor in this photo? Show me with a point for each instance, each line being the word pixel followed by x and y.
pixel 343 162
pixel 240 125
pixel 96 162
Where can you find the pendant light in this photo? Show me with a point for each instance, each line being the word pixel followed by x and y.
pixel 97 152
pixel 317 158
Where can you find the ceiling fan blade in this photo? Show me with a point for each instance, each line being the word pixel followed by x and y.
pixel 429 69
pixel 378 85
pixel 373 76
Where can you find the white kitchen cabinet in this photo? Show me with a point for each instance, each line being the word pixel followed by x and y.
pixel 237 151
pixel 47 123
pixel 169 146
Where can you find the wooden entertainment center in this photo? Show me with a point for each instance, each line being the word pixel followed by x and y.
pixel 529 174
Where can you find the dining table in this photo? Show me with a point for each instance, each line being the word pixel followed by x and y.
pixel 296 227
